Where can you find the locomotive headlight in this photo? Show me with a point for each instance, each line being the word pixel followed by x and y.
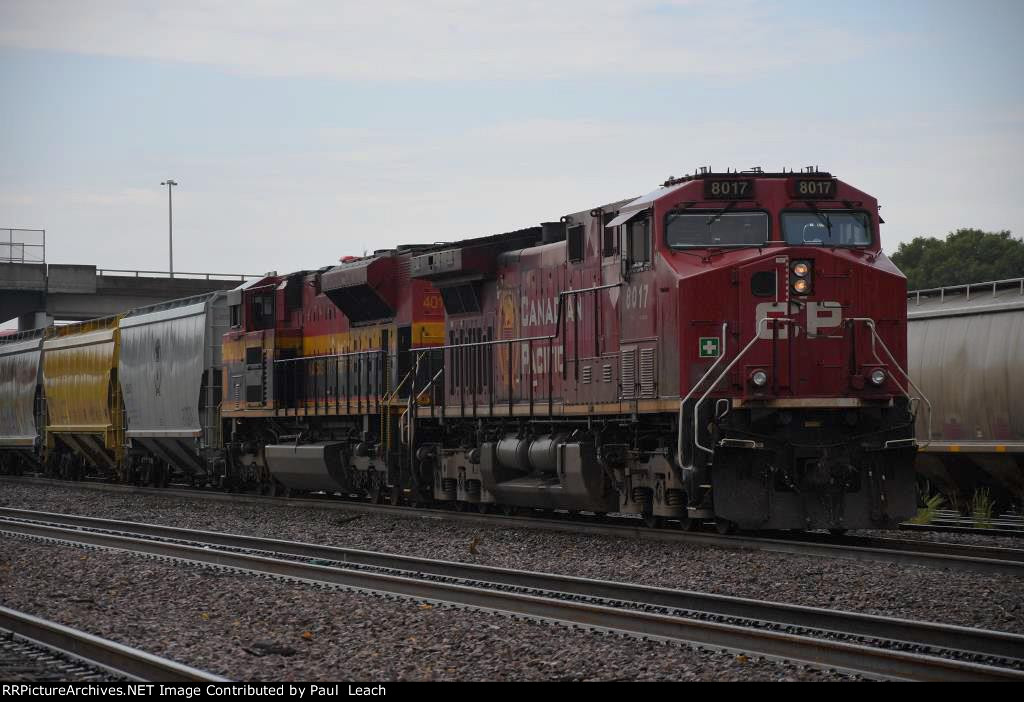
pixel 877 377
pixel 759 378
pixel 801 277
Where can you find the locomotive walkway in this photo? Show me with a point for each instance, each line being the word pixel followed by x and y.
pixel 863 644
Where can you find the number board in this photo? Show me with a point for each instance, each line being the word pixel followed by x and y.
pixel 813 188
pixel 732 189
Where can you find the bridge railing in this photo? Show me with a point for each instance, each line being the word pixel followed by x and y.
pixel 177 274
pixel 965 288
pixel 22 245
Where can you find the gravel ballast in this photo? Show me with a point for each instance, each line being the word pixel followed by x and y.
pixel 251 628
pixel 913 592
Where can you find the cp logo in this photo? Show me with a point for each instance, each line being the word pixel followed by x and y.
pixel 820 315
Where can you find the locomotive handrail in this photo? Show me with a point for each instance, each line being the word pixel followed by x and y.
pixel 696 408
pixel 403 420
pixel 372 393
pixel 559 327
pixel 870 323
pixel 388 397
pixel 682 404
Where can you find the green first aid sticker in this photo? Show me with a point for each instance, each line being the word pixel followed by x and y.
pixel 709 346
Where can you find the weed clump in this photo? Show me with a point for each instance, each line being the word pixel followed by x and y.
pixel 981 508
pixel 926 514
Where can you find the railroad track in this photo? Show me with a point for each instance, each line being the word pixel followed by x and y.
pixel 1008 524
pixel 965 528
pixel 949 521
pixel 1010 517
pixel 865 644
pixel 36 650
pixel 962 557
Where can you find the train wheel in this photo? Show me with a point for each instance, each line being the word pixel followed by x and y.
pixel 837 532
pixel 461 506
pixel 689 524
pixel 483 507
pixel 396 495
pixel 724 526
pixel 376 494
pixel 509 510
pixel 652 521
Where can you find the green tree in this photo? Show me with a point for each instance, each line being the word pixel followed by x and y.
pixel 965 256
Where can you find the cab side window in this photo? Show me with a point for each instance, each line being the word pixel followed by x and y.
pixel 576 244
pixel 609 243
pixel 638 240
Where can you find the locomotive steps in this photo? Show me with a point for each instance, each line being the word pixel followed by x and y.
pixel 865 644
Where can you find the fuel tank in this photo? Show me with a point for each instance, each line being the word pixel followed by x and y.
pixel 546 472
pixel 318 466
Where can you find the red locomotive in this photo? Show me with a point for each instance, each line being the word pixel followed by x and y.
pixel 729 347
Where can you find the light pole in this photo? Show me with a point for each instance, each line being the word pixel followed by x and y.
pixel 170 224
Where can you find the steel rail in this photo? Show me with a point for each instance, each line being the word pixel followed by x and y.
pixel 885 663
pixel 99 652
pixel 953 514
pixel 1017 532
pixel 970 521
pixel 977 641
pixel 967 552
pixel 980 559
pixel 994 522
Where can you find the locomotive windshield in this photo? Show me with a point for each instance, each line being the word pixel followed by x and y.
pixel 716 229
pixel 825 228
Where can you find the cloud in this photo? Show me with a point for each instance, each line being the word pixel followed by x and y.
pixel 433 39
pixel 125 197
pixel 11 199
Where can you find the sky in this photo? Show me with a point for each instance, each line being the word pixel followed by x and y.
pixel 300 132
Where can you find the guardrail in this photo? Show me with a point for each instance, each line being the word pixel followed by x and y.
pixel 22 245
pixel 177 274
pixel 994 285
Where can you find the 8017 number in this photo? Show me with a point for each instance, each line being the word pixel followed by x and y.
pixel 728 189
pixel 815 188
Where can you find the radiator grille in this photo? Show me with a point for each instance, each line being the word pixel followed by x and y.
pixel 627 373
pixel 606 373
pixel 587 374
pixel 648 385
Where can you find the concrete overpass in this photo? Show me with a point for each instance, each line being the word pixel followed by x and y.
pixel 39 293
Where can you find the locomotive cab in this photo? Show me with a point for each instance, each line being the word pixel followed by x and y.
pixel 796 411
